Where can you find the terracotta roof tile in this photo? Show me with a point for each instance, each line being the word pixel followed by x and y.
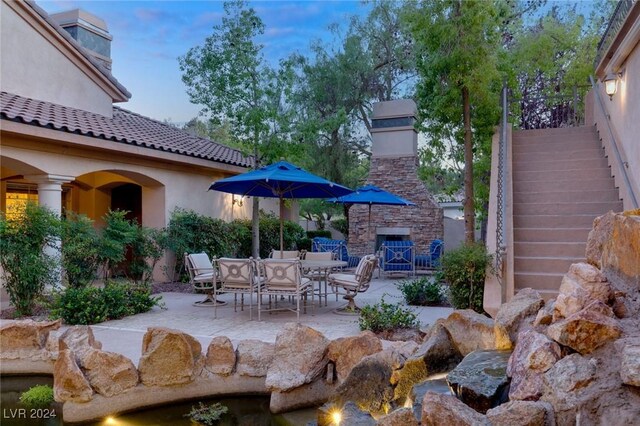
pixel 125 127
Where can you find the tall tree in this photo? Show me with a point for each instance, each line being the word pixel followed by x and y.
pixel 458 45
pixel 230 77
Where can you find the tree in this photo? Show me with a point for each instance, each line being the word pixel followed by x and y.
pixel 458 45
pixel 230 77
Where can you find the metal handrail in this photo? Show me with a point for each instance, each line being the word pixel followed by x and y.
pixel 614 143
pixel 542 111
pixel 615 23
pixel 501 246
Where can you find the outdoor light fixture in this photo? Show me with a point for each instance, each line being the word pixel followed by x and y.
pixel 336 417
pixel 236 201
pixel 611 84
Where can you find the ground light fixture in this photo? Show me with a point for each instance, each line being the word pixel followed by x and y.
pixel 611 84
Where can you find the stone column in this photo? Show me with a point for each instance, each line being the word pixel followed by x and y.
pixel 50 196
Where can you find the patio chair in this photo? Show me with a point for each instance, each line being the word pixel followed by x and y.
pixel 318 275
pixel 238 276
pixel 202 276
pixel 338 247
pixel 349 285
pixel 397 257
pixel 286 254
pixel 283 277
pixel 432 260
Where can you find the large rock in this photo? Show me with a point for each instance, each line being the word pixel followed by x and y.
pixel 437 354
pixel 109 373
pixel 480 380
pixel 27 338
pixel 522 413
pixel 221 357
pixel 571 374
pixel 399 417
pixel 582 285
pixel 630 365
pixel 516 315
pixel 299 357
pixel 346 352
pixel 534 354
pixel 80 340
pixel 370 384
pixel 586 330
pixel 545 315
pixel 69 384
pixel 470 331
pixel 169 357
pixel 599 235
pixel 254 358
pixel 434 385
pixel 440 410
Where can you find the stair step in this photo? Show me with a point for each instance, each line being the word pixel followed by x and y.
pixel 576 154
pixel 545 264
pixel 557 175
pixel 559 131
pixel 553 146
pixel 595 208
pixel 553 164
pixel 541 249
pixel 553 221
pixel 566 185
pixel 551 234
pixel 566 196
pixel 541 281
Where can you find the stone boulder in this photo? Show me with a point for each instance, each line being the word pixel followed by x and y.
pixel 109 373
pixel 522 413
pixel 580 286
pixel 370 384
pixel 399 417
pixel 346 352
pixel 480 380
pixel 221 357
pixel 27 338
pixel 69 384
pixel 169 357
pixel 434 385
pixel 440 410
pixel 599 235
pixel 630 365
pixel 80 340
pixel 300 356
pixel 470 331
pixel 545 315
pixel 570 375
pixel 516 315
pixel 534 355
pixel 585 330
pixel 254 358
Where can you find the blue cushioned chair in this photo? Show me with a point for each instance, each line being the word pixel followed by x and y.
pixel 397 256
pixel 432 260
pixel 337 247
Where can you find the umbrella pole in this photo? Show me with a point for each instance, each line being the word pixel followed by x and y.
pixel 281 226
pixel 369 231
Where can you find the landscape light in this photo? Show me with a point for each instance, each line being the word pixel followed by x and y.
pixel 336 417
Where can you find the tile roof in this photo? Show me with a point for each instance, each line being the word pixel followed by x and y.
pixel 125 127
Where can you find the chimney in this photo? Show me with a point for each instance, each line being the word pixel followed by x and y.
pixel 89 31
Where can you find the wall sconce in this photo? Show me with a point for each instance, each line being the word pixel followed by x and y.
pixel 611 84
pixel 236 201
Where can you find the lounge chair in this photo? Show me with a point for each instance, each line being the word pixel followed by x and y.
pixel 349 285
pixel 283 277
pixel 202 276
pixel 397 257
pixel 286 254
pixel 430 261
pixel 338 247
pixel 238 276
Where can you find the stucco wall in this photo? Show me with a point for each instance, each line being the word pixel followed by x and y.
pixel 33 67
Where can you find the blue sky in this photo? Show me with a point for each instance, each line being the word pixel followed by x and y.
pixel 149 36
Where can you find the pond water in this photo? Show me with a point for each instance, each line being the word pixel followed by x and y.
pixel 243 411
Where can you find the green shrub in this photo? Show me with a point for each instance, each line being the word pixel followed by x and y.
pixel 319 233
pixel 386 316
pixel 147 248
pixel 207 415
pixel 26 268
pixel 80 250
pixel 304 244
pixel 39 396
pixel 421 291
pixel 464 271
pixel 269 235
pixel 116 236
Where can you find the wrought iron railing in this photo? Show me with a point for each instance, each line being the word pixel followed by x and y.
pixel 549 111
pixel 501 232
pixel 615 23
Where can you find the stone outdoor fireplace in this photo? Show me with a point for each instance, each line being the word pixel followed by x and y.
pixel 394 168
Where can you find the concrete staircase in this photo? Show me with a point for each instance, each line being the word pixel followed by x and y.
pixel 561 182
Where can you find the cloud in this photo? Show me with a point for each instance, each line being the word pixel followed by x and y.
pixel 275 31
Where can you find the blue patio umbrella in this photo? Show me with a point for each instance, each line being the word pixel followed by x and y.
pixel 370 195
pixel 280 180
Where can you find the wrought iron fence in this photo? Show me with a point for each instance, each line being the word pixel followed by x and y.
pixel 502 190
pixel 552 111
pixel 615 23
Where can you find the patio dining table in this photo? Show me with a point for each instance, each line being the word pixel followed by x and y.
pixel 322 268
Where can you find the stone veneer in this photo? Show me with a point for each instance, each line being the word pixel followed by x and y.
pixel 398 175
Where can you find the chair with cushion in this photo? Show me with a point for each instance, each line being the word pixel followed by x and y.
pixel 432 260
pixel 238 276
pixel 283 277
pixel 202 276
pixel 285 254
pixel 338 247
pixel 350 285
pixel 397 257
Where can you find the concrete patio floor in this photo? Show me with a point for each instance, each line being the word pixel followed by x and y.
pixel 125 335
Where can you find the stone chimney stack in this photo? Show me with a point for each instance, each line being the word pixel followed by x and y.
pixel 394 168
pixel 89 31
